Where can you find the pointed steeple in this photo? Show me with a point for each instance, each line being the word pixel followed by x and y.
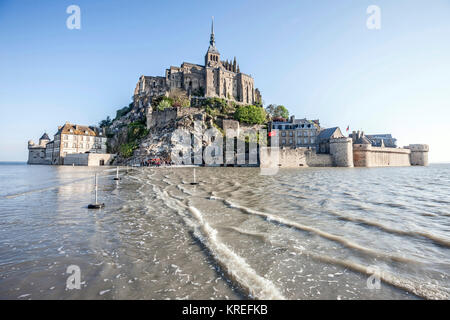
pixel 212 57
pixel 234 65
pixel 212 41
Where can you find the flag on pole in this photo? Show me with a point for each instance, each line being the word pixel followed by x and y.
pixel 348 128
pixel 272 133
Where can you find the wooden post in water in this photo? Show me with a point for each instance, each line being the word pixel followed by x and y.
pixel 117 174
pixel 96 205
pixel 194 183
pixel 96 188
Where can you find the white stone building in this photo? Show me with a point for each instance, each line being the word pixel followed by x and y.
pixel 69 139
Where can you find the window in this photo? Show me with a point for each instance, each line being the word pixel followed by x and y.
pixel 290 140
pixel 312 140
pixel 305 133
pixel 290 133
pixel 65 137
pixel 283 134
pixel 74 145
pixel 299 134
pixel 66 144
pixel 81 146
pixel 283 141
pixel 306 140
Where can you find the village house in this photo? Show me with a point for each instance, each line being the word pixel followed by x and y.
pixel 72 145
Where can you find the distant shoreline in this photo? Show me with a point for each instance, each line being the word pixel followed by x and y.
pixel 13 162
pixel 24 162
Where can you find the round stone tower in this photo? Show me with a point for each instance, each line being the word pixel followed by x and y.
pixel 341 149
pixel 419 154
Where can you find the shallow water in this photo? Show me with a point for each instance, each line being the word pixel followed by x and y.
pixel 315 233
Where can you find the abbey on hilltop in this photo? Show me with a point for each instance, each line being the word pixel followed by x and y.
pixel 217 78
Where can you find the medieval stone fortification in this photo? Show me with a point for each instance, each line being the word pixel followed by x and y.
pixel 347 152
pixel 295 142
pixel 215 79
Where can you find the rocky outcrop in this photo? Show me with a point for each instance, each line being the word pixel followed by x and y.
pixel 161 126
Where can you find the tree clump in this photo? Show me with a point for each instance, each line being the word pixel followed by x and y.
pixel 250 114
pixel 136 131
pixel 277 111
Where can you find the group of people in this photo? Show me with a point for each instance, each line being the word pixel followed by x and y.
pixel 155 162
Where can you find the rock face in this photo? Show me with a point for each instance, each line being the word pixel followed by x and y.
pixel 199 129
pixel 161 126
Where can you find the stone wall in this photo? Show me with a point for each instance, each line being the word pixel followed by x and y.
pixel 161 119
pixel 365 155
pixel 88 159
pixel 294 158
pixel 343 154
pixel 314 159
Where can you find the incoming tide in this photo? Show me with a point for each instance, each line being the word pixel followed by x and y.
pixel 314 233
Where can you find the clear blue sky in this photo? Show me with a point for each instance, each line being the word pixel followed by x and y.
pixel 315 57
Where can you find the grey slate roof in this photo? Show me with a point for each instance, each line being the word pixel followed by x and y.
pixel 327 133
pixel 362 140
pixel 44 137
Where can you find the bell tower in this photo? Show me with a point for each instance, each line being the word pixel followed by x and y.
pixel 212 57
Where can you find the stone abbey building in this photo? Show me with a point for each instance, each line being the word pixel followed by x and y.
pixel 217 78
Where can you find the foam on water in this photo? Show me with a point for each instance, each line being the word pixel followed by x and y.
pixel 234 265
pixel 161 238
pixel 412 233
pixel 424 290
pixel 257 286
pixel 324 234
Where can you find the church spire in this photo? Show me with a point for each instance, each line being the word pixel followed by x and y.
pixel 212 40
pixel 212 57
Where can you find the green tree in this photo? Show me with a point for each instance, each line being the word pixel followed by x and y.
pixel 122 112
pixel 281 111
pixel 165 103
pixel 156 101
pixel 277 111
pixel 270 109
pixel 105 123
pixel 250 114
pixel 136 131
